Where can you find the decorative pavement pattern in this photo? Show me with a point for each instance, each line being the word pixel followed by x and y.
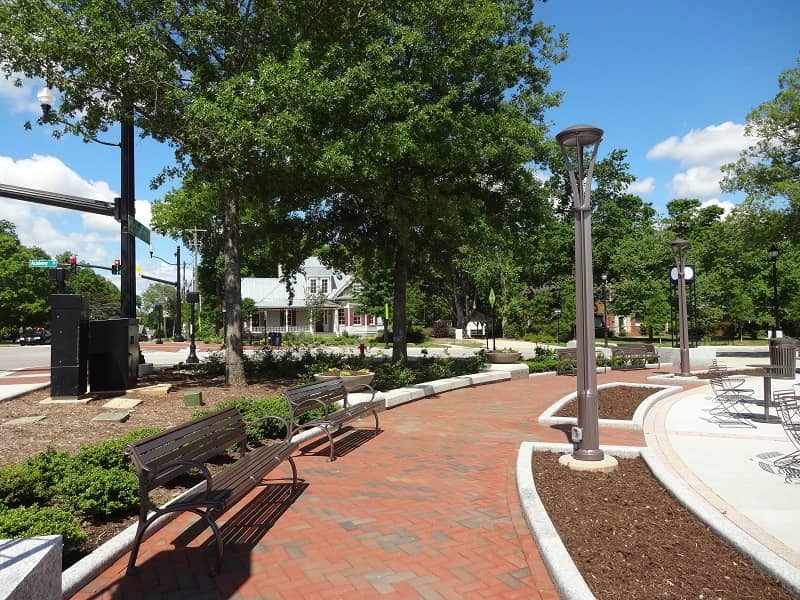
pixel 427 508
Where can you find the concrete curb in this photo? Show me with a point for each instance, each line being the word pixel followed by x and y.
pixel 635 424
pixel 29 387
pixel 562 569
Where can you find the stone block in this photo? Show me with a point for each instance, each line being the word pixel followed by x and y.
pixel 30 568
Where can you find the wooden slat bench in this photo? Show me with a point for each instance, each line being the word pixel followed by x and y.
pixel 168 454
pixel 566 357
pixel 305 398
pixel 634 353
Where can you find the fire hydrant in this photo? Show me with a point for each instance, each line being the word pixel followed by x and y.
pixel 361 349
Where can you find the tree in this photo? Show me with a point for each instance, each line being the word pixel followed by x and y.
pixel 770 168
pixel 158 294
pixel 442 113
pixel 24 292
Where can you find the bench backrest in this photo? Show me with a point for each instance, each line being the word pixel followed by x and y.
pixel 305 398
pixel 643 348
pixel 567 353
pixel 197 440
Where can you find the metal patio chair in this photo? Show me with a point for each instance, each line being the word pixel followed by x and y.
pixel 730 398
pixel 788 404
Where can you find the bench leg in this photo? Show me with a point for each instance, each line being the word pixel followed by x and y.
pixel 375 414
pixel 140 529
pixel 294 471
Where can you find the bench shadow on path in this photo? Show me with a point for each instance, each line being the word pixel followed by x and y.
pixel 346 441
pixel 187 567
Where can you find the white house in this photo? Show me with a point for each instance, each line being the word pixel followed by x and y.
pixel 324 302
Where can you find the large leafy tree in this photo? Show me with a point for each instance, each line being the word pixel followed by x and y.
pixel 770 168
pixel 443 107
pixel 101 295
pixel 24 292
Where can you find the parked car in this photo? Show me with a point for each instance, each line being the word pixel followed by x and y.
pixel 34 335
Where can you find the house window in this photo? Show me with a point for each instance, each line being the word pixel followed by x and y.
pixel 356 319
pixel 342 317
pixel 312 286
pixel 292 315
pixel 323 285
pixel 371 320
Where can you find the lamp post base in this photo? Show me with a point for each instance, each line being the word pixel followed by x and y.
pixel 606 464
pixel 192 358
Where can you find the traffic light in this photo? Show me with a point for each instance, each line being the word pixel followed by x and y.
pixel 116 268
pixel 73 264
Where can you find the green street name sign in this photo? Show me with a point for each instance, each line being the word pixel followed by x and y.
pixel 43 263
pixel 138 230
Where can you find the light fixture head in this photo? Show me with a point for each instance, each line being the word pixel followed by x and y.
pixel 46 99
pixel 774 252
pixel 604 277
pixel 579 135
pixel 151 249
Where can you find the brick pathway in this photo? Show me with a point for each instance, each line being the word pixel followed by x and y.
pixel 428 508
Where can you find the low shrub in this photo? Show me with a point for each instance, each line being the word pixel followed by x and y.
pixel 109 453
pixel 30 521
pixel 389 376
pixel 429 369
pixel 19 486
pixel 52 466
pixel 440 329
pixel 97 492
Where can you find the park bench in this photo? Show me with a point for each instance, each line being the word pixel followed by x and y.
pixel 567 360
pixel 166 455
pixel 306 398
pixel 636 355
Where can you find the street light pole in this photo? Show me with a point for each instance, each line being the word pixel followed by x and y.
pixel 773 254
pixel 579 138
pixel 604 277
pixel 679 248
pixel 178 329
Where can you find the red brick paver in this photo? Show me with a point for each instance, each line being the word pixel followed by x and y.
pixel 426 509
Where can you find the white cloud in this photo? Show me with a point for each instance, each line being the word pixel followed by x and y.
pixel 726 205
pixel 714 145
pixel 642 186
pixel 697 182
pixel 57 229
pixel 20 99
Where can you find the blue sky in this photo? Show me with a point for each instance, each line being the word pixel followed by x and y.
pixel 671 82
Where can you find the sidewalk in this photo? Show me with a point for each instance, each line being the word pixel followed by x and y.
pixel 414 512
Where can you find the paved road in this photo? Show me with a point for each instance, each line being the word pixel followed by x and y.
pixel 14 357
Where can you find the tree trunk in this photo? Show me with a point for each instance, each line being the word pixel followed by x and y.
pixel 399 320
pixel 234 355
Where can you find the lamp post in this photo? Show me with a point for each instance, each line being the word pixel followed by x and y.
pixel 558 324
pixel 604 286
pixel 773 254
pixel 160 315
pixel 192 298
pixel 178 334
pixel 679 248
pixel 580 138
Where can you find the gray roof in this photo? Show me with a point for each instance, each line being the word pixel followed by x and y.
pixel 270 292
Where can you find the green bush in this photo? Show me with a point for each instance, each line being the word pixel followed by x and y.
pixel 389 376
pixel 19 486
pixel 541 364
pixel 52 466
pixel 95 491
pixel 29 521
pixel 109 454
pixel 212 364
pixel 429 369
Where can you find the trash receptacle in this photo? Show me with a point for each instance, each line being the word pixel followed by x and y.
pixel 277 338
pixel 783 357
pixel 271 338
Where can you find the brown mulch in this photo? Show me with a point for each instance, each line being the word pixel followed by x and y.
pixel 631 540
pixel 69 426
pixel 617 402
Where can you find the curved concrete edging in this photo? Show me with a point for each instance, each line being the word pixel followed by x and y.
pixel 635 424
pixel 562 569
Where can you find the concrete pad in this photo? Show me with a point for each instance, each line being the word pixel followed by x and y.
pixel 119 416
pixel 30 568
pixel 123 403
pixel 79 400
pixel 25 420
pixel 606 465
pixel 160 389
pixel 146 369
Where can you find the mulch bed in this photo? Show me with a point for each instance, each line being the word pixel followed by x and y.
pixel 617 402
pixel 631 540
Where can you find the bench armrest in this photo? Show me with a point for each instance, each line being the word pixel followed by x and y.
pixel 283 421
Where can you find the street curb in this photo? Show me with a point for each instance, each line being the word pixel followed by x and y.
pixel 565 575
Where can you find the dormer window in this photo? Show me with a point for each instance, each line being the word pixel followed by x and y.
pixel 312 286
pixel 323 286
